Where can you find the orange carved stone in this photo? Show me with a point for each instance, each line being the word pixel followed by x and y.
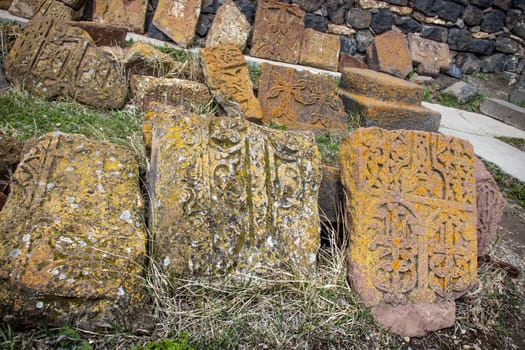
pixel 278 31
pixel 300 100
pixel 390 54
pixel 411 197
pixel 320 50
pixel 178 19
pixel 129 14
pixel 431 56
pixel 226 73
pixel 55 8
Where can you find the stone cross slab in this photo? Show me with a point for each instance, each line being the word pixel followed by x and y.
pixel 228 196
pixel 411 196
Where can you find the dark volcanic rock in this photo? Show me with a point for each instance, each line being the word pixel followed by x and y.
pixel 336 10
pixel 503 4
pixel 493 63
pixel 407 24
pixel 424 6
pixel 435 33
pixel 468 63
pixel 459 39
pixel 447 10
pixel 481 3
pixel 382 21
pixel 309 5
pixel 364 38
pixel 472 16
pixel 358 18
pixel 519 4
pixel 348 45
pixel 506 45
pixel 247 8
pixel 493 21
pixel 316 22
pixel 481 46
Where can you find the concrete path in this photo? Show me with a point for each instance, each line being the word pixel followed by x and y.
pixel 481 130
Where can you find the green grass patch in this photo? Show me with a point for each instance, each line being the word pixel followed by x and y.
pixel 450 101
pixel 512 188
pixel 179 55
pixel 517 142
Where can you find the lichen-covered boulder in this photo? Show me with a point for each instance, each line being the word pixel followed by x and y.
pixel 411 200
pixel 72 239
pixel 232 197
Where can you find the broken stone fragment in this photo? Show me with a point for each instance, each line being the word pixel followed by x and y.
pixel 124 13
pixel 231 197
pixel 52 58
pixel 55 8
pixel 72 239
pixel 178 19
pixel 411 201
pixel 389 54
pixel 229 27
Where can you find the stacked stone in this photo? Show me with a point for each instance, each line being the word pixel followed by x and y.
pixel 385 101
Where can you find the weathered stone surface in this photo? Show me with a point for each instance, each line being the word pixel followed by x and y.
pixel 144 59
pixel 229 27
pixel 481 46
pixel 461 90
pixel 506 45
pixel 364 39
pixel 468 63
pixel 493 21
pixel 54 8
pixel 308 5
pixel 431 56
pixel 227 76
pixel 435 33
pixel 459 39
pixel 348 45
pixel 448 10
pixel 317 22
pixel 343 30
pixel 505 111
pixel 178 19
pixel 10 154
pixel 377 4
pixel 412 222
pixel 4 4
pixel 104 35
pixel 473 16
pixel 358 18
pixel 229 196
pixel 493 63
pixel 407 24
pixel 331 195
pixel 53 58
pixel 382 21
pixel 380 86
pixel 125 13
pixel 169 91
pixel 72 240
pixel 278 31
pixel 300 100
pixel 391 115
pixel 347 61
pixel 320 50
pixel 390 54
pixel 489 203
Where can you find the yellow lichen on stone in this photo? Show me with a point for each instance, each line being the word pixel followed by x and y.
pixel 232 197
pixel 72 230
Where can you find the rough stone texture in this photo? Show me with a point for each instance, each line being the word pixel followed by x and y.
pixel 343 30
pixel 390 54
pixel 229 27
pixel 125 13
pixel 178 19
pixel 300 100
pixel 482 3
pixel 364 39
pixel 489 203
pixel 412 222
pixel 10 154
pixel 308 5
pixel 448 10
pixel 407 24
pixel 53 58
pixel 506 45
pixel 169 91
pixel 515 20
pixel 468 63
pixel 381 86
pixel 435 33
pixel 375 4
pixel 358 18
pixel 76 4
pixel 72 240
pixel 461 90
pixel 431 56
pixel 481 46
pixel 316 22
pixel 229 196
pixel 503 4
pixel 278 31
pixel 505 111
pixel 493 63
pixel 320 50
pixel 104 35
pixel 459 39
pixel 54 8
pixel 520 4
pixel 382 21
pixel 227 76
pixel 4 4
pixel 347 61
pixel 331 194
pixel 348 45
pixel 391 115
pixel 472 16
pixel 493 21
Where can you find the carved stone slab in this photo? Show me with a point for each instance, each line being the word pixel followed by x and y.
pixel 320 50
pixel 490 204
pixel 103 34
pixel 52 58
pixel 169 91
pixel 72 240
pixel 300 100
pixel 53 8
pixel 178 19
pixel 389 54
pixel 229 27
pixel 432 56
pixel 125 13
pixel 278 31
pixel 227 76
pixel 411 197
pixel 229 196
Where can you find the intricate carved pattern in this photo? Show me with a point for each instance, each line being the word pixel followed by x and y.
pixel 278 31
pixel 300 100
pixel 412 193
pixel 230 27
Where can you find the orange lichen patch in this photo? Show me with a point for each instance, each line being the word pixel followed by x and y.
pixel 72 230
pixel 320 50
pixel 178 19
pixel 227 76
pixel 380 86
pixel 232 197
pixel 129 14
pixel 410 241
pixel 389 53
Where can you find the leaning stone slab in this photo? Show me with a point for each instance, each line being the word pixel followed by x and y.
pixel 411 198
pixel 52 58
pixel 389 54
pixel 125 13
pixel 227 76
pixel 178 19
pixel 229 27
pixel 300 100
pixel 320 50
pixel 169 91
pixel 504 111
pixel 278 31
pixel 54 8
pixel 231 197
pixel 489 203
pixel 103 34
pixel 431 56
pixel 72 239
